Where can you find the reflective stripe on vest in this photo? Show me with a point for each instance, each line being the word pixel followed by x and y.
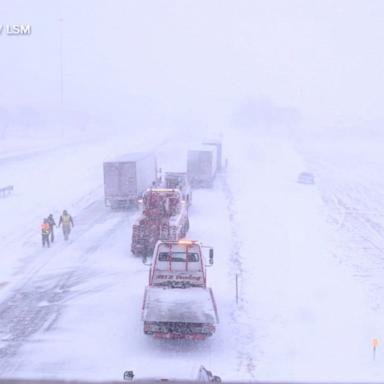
pixel 66 219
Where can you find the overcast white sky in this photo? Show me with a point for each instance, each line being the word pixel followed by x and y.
pixel 197 59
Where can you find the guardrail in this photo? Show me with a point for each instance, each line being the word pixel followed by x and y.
pixel 6 191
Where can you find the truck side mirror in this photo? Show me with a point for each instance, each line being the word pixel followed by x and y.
pixel 211 256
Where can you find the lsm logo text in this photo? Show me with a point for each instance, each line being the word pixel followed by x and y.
pixel 15 29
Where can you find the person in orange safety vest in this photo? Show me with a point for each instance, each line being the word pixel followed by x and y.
pixel 45 231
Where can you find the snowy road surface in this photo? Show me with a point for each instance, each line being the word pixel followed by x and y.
pixel 308 259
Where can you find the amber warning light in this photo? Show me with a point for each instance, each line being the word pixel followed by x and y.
pixel 187 242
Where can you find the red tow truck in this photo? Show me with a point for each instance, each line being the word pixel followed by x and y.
pixel 164 217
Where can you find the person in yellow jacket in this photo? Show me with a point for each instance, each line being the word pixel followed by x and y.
pixel 67 221
pixel 45 231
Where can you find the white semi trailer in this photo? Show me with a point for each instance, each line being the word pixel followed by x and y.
pixel 126 178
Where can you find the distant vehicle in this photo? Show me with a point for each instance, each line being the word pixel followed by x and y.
pixel 164 217
pixel 179 180
pixel 219 152
pixel 126 178
pixel 306 178
pixel 202 166
pixel 177 302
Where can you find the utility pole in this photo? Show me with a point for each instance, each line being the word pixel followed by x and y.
pixel 61 59
pixel 61 69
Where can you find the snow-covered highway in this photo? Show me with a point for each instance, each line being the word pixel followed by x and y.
pixel 74 310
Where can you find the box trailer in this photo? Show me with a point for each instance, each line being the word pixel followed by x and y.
pixel 219 152
pixel 126 178
pixel 202 166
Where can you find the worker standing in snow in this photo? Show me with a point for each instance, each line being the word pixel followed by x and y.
pixel 52 224
pixel 67 221
pixel 45 233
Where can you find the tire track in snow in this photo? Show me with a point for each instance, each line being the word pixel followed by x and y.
pixel 34 308
pixel 34 262
pixel 245 333
pixel 355 205
pixel 36 301
pixel 7 159
pixel 363 232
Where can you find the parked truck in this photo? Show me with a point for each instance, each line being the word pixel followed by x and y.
pixel 179 180
pixel 126 178
pixel 219 152
pixel 164 217
pixel 177 302
pixel 202 166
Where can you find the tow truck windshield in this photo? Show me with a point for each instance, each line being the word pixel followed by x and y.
pixel 179 256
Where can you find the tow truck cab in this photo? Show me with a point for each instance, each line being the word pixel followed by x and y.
pixel 177 302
